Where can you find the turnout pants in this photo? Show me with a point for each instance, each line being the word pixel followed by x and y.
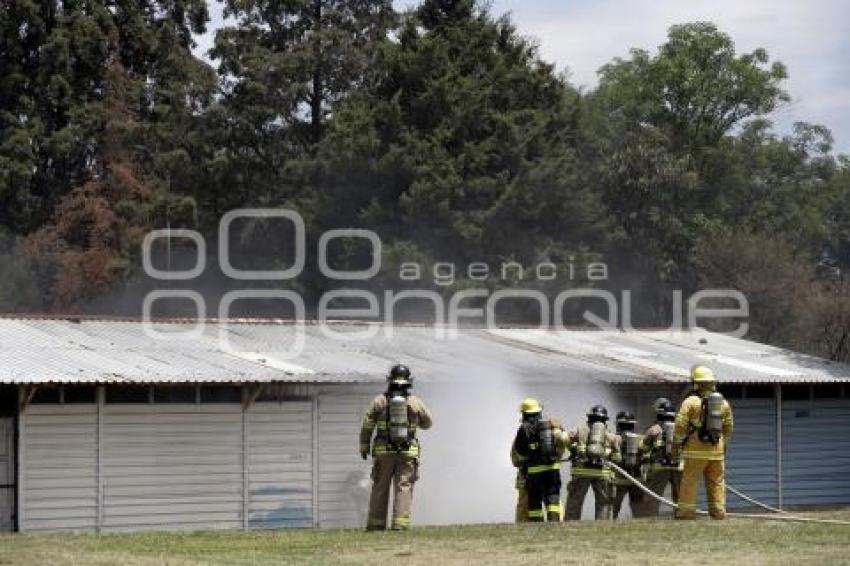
pixel 712 471
pixel 657 480
pixel 635 499
pixel 397 471
pixel 544 493
pixel 577 490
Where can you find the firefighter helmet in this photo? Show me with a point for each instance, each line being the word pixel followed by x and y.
pixel 597 413
pixel 666 411
pixel 530 406
pixel 400 374
pixel 702 374
pixel 626 421
pixel 625 417
pixel 659 403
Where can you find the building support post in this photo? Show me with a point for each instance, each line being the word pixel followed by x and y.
pixel 246 492
pixel 25 396
pixel 100 394
pixel 21 457
pixel 778 395
pixel 315 456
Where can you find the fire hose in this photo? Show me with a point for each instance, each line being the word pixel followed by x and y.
pixel 779 516
pixel 755 502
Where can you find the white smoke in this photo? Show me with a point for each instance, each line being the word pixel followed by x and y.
pixel 466 474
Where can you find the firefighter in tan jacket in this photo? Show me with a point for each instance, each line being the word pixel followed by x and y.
pixel 631 462
pixel 394 417
pixel 592 446
pixel 703 430
pixel 658 450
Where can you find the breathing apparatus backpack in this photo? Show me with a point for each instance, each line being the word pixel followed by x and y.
pixel 631 446
pixel 596 440
pixel 712 418
pixel 538 441
pixel 545 441
pixel 400 435
pixel 667 430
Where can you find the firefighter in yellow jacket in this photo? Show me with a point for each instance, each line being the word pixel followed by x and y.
pixel 394 417
pixel 658 452
pixel 592 446
pixel 536 452
pixel 703 430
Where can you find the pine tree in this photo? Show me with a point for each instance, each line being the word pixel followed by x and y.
pixel 283 67
pixel 91 86
pixel 465 143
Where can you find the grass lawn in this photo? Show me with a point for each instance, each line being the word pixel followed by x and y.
pixel 736 541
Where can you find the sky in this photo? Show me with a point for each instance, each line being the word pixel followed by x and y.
pixel 812 37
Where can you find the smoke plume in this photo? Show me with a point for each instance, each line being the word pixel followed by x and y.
pixel 466 475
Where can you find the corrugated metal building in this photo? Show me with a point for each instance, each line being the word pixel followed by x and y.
pixel 107 426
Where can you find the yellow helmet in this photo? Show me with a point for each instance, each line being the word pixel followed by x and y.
pixel 702 374
pixel 530 406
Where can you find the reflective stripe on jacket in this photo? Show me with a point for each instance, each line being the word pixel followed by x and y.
pixel 578 440
pixel 589 472
pixel 544 468
pixel 689 421
pixel 375 421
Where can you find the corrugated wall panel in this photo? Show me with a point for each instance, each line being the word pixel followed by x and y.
pixel 816 452
pixel 343 493
pixel 59 463
pixel 751 460
pixel 172 466
pixel 280 464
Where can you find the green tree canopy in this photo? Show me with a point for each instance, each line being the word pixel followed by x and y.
pixel 696 89
pixel 465 142
pixel 84 85
pixel 669 144
pixel 282 68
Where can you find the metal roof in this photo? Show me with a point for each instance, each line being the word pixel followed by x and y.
pixel 75 350
pixel 668 355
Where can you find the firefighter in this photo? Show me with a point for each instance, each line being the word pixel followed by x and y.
pixel 591 447
pixel 394 416
pixel 630 456
pixel 521 514
pixel 537 450
pixel 703 430
pixel 658 450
